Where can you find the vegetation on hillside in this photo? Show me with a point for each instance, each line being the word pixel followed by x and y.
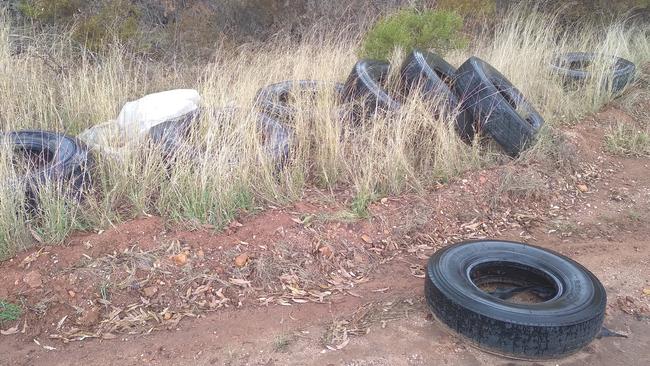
pixel 409 29
pixel 50 82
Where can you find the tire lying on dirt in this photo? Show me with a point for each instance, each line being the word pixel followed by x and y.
pixel 574 68
pixel 52 158
pixel 568 318
pixel 434 77
pixel 502 111
pixel 364 86
pixel 275 100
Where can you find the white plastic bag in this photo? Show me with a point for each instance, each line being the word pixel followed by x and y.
pixel 138 117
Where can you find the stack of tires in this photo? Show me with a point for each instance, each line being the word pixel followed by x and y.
pixel 54 159
pixel 479 97
pixel 476 96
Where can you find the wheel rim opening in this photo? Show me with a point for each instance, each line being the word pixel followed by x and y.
pixel 25 160
pixel 578 65
pixel 514 282
pixel 444 77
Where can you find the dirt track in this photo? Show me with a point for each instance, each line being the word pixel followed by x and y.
pixel 606 227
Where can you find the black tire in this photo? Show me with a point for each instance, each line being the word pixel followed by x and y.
pixel 277 139
pixel 171 134
pixel 434 77
pixel 365 86
pixel 559 326
pixel 273 100
pixel 573 67
pixel 64 160
pixel 495 103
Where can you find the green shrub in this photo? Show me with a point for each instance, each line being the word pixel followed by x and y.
pixel 9 312
pixel 410 28
pixel 117 20
pixel 49 11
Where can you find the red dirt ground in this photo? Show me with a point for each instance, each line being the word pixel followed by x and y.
pixel 277 287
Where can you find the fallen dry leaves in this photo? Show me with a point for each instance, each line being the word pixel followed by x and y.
pixel 241 260
pixel 179 259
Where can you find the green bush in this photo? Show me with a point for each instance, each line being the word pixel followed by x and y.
pixel 117 20
pixel 410 28
pixel 9 312
pixel 50 11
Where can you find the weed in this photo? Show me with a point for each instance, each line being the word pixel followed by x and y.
pixel 360 204
pixel 281 343
pixel 104 291
pixel 628 141
pixel 9 312
pixel 634 216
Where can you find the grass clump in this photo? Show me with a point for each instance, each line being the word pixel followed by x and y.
pixel 409 28
pixel 361 203
pixel 281 343
pixel 628 141
pixel 9 312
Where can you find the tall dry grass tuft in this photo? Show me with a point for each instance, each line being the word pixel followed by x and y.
pixel 225 166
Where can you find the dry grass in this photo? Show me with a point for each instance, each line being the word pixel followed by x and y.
pixel 369 315
pixel 54 86
pixel 628 140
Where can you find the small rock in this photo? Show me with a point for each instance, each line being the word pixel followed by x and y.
pixel 179 259
pixel 72 293
pixel 582 188
pixel 167 316
pixel 326 251
pixel 33 279
pixel 89 317
pixel 646 291
pixel 366 238
pixel 241 260
pixel 384 201
pixel 150 291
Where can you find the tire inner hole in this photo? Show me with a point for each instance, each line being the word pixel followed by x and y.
pixel 578 65
pixel 26 160
pixel 514 282
pixel 445 78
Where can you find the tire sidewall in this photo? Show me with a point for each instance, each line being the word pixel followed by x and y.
pixel 547 330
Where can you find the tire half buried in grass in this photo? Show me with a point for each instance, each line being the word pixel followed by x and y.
pixel 50 157
pixel 574 67
pixel 365 87
pixel 471 286
pixel 501 109
pixel 275 100
pixel 435 78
